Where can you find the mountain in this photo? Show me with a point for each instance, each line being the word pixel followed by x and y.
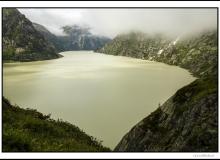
pixel 21 41
pixel 27 130
pixel 187 121
pixel 196 53
pixel 55 40
pixel 27 41
pixel 80 38
pixel 75 38
pixel 135 44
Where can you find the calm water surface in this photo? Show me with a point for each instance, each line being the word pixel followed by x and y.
pixel 102 94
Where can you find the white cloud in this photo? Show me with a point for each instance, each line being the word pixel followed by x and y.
pixel 110 22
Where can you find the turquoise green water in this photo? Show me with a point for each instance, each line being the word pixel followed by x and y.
pixel 102 94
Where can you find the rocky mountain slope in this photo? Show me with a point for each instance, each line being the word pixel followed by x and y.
pixel 26 130
pixel 188 121
pixel 21 41
pixel 196 52
pixel 135 44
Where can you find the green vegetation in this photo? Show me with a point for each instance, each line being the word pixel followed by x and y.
pixel 26 130
pixel 198 89
pixel 191 94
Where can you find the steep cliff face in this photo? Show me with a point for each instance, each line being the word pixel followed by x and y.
pixel 21 41
pixel 188 121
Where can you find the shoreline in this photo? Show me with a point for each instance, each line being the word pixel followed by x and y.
pixel 12 61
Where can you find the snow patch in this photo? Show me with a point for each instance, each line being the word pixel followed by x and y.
pixel 160 51
pixel 174 42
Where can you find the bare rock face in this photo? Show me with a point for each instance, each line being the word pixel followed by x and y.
pixel 183 123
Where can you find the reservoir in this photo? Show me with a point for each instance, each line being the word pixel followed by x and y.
pixel 103 95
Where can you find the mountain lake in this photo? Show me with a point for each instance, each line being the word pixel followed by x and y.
pixel 104 95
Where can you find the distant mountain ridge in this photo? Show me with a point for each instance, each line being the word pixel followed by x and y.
pixel 80 38
pixel 76 38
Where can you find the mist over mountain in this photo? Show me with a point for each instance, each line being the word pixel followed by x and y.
pixel 75 38
pixel 80 38
pixel 111 22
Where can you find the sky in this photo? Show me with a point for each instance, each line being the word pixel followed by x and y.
pixel 111 22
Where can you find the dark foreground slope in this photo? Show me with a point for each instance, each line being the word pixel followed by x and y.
pixel 26 130
pixel 188 121
pixel 21 41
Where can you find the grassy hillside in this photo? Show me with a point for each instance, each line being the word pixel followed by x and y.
pixel 27 130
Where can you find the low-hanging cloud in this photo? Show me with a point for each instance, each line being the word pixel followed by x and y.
pixel 110 22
